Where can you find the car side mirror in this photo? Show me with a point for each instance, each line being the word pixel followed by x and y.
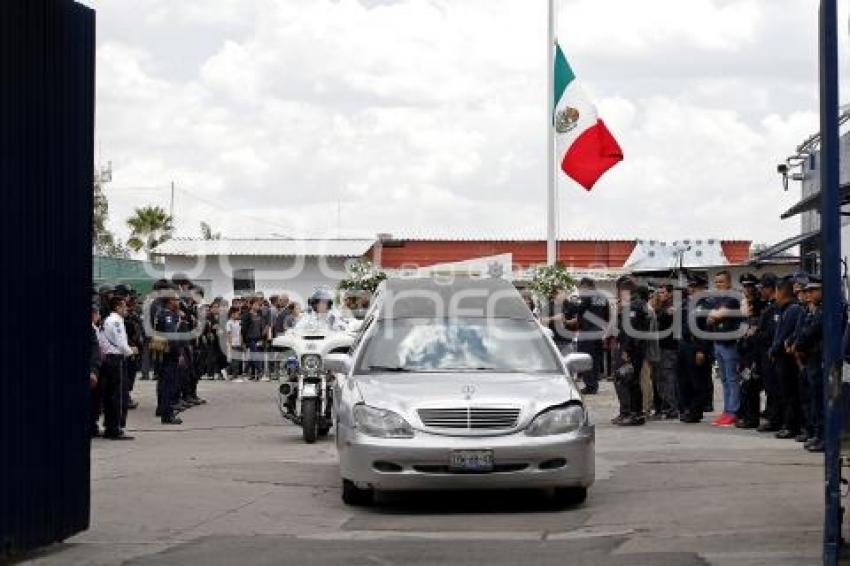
pixel 338 363
pixel 578 362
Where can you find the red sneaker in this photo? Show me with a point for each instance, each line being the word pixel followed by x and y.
pixel 729 421
pixel 719 420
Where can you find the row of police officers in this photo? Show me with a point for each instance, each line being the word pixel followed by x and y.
pixel 122 344
pixel 763 340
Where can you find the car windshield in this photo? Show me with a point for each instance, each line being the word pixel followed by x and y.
pixel 444 345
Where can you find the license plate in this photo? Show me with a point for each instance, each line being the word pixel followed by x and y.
pixel 310 390
pixel 471 461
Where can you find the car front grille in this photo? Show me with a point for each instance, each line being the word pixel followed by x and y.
pixel 470 418
pixel 443 469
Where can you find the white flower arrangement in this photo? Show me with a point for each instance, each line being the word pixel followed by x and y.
pixel 547 278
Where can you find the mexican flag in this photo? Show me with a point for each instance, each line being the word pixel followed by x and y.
pixel 584 146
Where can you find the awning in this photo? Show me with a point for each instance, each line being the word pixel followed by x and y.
pixel 812 202
pixel 777 249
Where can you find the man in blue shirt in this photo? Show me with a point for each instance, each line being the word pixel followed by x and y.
pixel 725 317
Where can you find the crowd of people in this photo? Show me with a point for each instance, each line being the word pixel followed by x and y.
pixel 662 345
pixel 186 339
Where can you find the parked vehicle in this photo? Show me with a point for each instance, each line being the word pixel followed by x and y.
pixel 456 386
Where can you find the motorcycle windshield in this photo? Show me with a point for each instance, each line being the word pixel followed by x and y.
pixel 314 324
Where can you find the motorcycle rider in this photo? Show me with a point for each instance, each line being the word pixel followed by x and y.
pixel 321 309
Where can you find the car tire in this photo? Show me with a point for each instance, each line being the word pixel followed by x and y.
pixel 354 496
pixel 570 496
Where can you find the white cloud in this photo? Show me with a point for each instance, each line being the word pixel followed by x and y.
pixel 641 27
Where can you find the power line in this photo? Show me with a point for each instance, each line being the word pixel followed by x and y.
pixel 217 205
pixel 223 207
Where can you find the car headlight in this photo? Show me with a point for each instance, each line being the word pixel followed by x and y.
pixel 311 363
pixel 380 422
pixel 557 420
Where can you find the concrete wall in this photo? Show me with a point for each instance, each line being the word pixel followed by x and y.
pixel 272 275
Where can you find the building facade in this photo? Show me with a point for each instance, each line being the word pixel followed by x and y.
pixel 232 267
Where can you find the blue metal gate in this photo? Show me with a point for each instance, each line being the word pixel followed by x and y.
pixel 46 169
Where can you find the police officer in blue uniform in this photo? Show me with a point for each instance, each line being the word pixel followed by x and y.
pixel 808 347
pixel 767 323
pixel 173 357
pixel 694 356
pixel 785 363
pixel 630 352
pixel 593 319
pixel 751 380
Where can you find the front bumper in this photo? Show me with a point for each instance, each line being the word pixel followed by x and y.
pixel 421 462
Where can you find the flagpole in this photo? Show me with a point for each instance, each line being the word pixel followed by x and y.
pixel 551 247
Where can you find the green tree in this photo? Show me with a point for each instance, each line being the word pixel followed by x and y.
pixel 103 241
pixel 149 227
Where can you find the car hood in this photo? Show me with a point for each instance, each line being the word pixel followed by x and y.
pixel 408 392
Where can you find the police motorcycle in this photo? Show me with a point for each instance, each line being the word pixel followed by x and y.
pixel 306 397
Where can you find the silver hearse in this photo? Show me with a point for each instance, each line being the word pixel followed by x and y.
pixel 454 385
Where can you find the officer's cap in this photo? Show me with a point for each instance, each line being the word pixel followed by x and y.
pixel 800 278
pixel 815 282
pixel 748 280
pixel 768 280
pixel 104 289
pixel 180 279
pixel 122 290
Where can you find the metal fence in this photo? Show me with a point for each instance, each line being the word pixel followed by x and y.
pixel 138 274
pixel 46 169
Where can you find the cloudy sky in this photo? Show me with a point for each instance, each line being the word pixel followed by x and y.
pixel 428 116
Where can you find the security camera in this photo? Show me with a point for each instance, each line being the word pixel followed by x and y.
pixel 782 168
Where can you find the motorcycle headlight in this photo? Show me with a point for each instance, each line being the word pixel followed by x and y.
pixel 557 420
pixel 381 423
pixel 311 363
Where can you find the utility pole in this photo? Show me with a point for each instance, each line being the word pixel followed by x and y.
pixel 171 208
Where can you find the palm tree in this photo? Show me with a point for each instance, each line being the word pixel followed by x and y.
pixel 149 227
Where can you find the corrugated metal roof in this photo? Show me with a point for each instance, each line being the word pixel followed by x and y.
pixel 503 235
pixel 530 234
pixel 270 247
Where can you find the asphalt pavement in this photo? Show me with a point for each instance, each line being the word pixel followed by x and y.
pixel 236 485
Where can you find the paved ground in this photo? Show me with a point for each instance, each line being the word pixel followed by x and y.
pixel 236 486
